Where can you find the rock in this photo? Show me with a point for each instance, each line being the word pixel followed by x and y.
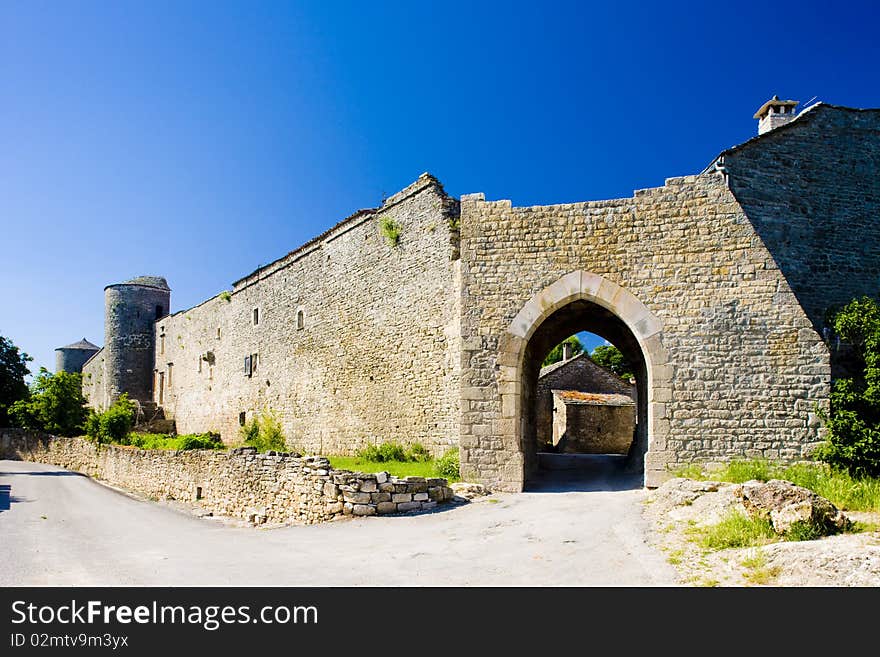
pixel 380 497
pixel 469 490
pixel 381 477
pixel 386 507
pixel 401 497
pixel 785 504
pixel 409 506
pixel 357 498
pixel 369 486
pixel 420 497
pixel 364 510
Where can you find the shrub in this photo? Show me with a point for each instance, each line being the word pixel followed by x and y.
pixel 13 370
pixel 448 465
pixel 735 531
pixel 165 441
pixel 114 424
pixel 264 432
pixel 853 422
pixel 390 229
pixel 56 404
pixel 418 452
pixel 390 451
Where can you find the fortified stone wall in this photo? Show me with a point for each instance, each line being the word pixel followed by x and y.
pixel 93 381
pixel 811 189
pixel 734 367
pixel 374 358
pixel 240 483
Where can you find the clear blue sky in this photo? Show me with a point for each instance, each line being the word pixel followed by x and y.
pixel 198 140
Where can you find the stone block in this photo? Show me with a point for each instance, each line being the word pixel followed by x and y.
pixel 364 510
pixel 401 497
pixel 357 498
pixel 380 497
pixel 386 507
pixel 420 497
pixel 409 506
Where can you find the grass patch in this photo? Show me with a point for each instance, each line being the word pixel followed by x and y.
pixel 841 488
pixel 757 571
pixel 734 531
pixel 396 468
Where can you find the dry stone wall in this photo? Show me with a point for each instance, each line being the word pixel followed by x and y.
pixel 259 488
pixel 735 368
pixel 356 340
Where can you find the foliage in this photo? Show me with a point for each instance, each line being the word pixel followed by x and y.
pixel 611 358
pixel 390 451
pixel 55 404
pixel 264 431
pixel 838 486
pixel 184 442
pixel 448 465
pixel 734 531
pixel 555 354
pixel 13 370
pixel 390 229
pixel 114 424
pixel 853 423
pixel 225 295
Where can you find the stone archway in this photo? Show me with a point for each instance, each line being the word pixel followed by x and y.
pixel 633 321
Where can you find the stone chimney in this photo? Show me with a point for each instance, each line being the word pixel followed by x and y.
pixel 566 351
pixel 775 113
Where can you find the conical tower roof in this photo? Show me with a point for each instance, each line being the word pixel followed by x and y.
pixel 82 344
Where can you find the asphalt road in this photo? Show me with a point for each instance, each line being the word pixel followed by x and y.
pixel 59 528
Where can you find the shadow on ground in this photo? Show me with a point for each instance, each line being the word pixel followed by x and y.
pixel 563 473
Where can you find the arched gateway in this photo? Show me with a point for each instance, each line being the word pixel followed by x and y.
pixel 582 301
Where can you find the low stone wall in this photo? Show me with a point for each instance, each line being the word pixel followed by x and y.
pixel 259 488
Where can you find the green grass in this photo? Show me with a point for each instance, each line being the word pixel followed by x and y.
pixel 734 531
pixel 757 571
pixel 397 468
pixel 841 488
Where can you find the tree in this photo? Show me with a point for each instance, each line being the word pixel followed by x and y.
pixel 13 370
pixel 555 354
pixel 853 422
pixel 611 358
pixel 56 404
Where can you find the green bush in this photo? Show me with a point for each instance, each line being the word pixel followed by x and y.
pixel 56 404
pixel 390 451
pixel 734 531
pixel 853 422
pixel 264 432
pixel 390 229
pixel 448 465
pixel 165 441
pixel 114 424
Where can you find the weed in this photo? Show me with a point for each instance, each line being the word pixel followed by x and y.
pixel 734 531
pixel 390 229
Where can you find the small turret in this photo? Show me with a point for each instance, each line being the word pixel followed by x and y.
pixel 72 357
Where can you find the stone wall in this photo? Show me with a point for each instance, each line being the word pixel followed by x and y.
pixel 93 381
pixel 239 483
pixel 375 357
pixel 592 428
pixel 811 189
pixel 732 364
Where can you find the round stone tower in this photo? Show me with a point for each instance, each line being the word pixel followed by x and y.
pixel 72 357
pixel 130 309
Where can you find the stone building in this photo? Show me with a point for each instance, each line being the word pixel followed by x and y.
pixel 580 407
pixel 427 319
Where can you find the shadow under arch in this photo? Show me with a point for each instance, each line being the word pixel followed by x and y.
pixel 582 301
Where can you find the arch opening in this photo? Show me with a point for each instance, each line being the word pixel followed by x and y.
pixel 566 437
pixel 582 301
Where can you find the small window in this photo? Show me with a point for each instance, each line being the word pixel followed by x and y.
pixel 256 316
pixel 218 332
pixel 162 344
pixel 241 418
pixel 300 320
pixel 200 364
pixel 254 359
pixel 170 367
pixel 160 312
pixel 248 366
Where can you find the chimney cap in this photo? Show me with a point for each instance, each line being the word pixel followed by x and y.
pixel 774 102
